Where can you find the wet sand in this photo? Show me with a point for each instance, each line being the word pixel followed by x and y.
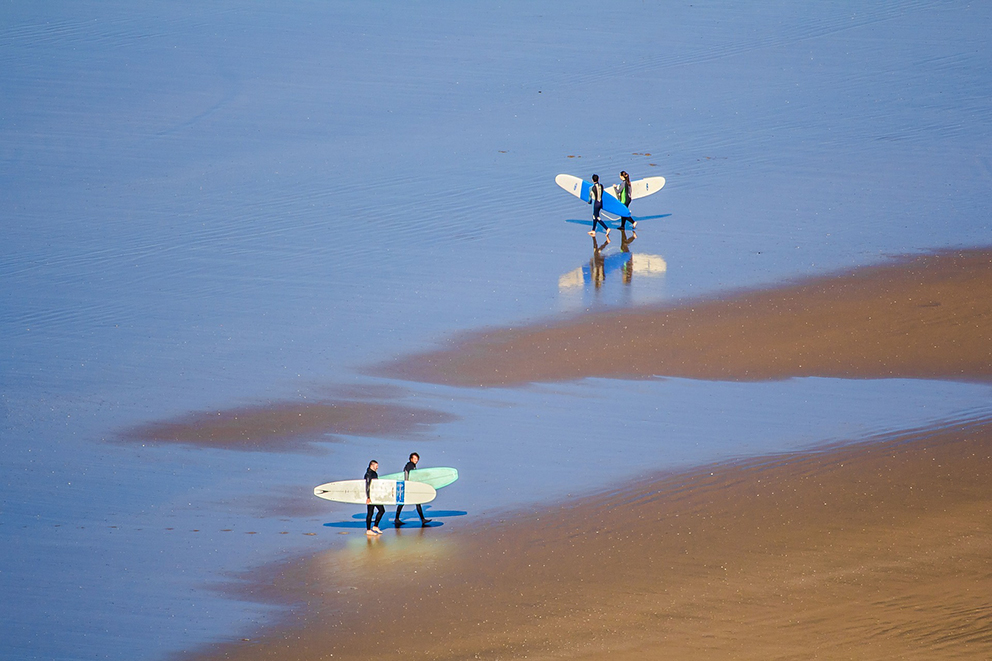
pixel 873 550
pixel 879 550
pixel 924 317
pixel 281 426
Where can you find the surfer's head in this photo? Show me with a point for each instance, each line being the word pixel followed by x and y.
pixel 414 457
pixel 595 177
pixel 374 465
pixel 624 175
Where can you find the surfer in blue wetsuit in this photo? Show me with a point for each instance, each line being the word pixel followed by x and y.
pixel 411 466
pixel 596 200
pixel 623 194
pixel 370 475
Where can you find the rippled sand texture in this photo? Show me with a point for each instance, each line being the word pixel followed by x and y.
pixel 920 317
pixel 876 551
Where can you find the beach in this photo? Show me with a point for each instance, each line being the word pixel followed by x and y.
pixel 877 549
pixel 248 248
pixel 926 317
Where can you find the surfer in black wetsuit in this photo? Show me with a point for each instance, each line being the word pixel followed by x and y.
pixel 370 475
pixel 624 195
pixel 410 466
pixel 596 200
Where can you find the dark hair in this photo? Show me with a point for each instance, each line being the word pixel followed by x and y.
pixel 595 177
pixel 372 462
pixel 414 454
pixel 623 173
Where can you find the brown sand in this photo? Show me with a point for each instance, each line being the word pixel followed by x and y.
pixel 921 317
pixel 875 551
pixel 288 425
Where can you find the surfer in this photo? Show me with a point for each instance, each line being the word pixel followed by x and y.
pixel 370 475
pixel 596 200
pixel 623 194
pixel 410 466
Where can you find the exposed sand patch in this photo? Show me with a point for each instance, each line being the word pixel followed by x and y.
pixel 288 425
pixel 919 317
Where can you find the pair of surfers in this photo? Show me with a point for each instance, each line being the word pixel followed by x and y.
pixel 622 191
pixel 372 474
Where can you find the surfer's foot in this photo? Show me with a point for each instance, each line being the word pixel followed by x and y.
pixel 424 522
pixel 399 523
pixel 369 532
pixel 633 225
pixel 607 231
pixel 376 530
pixel 592 233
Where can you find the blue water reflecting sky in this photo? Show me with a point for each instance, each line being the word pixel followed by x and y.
pixel 221 206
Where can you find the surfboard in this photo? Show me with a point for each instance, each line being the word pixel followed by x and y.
pixel 436 477
pixel 640 187
pixel 580 189
pixel 647 186
pixel 383 492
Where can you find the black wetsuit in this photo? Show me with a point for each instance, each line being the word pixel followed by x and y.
pixel 596 200
pixel 369 476
pixel 406 476
pixel 624 197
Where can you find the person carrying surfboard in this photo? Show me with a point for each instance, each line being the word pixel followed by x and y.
pixel 372 474
pixel 411 466
pixel 596 200
pixel 624 195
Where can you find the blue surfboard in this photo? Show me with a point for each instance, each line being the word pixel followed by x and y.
pixel 580 189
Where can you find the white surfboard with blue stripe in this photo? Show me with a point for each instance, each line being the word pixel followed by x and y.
pixel 382 492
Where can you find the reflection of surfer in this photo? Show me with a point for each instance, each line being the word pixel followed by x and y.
pixel 411 466
pixel 624 195
pixel 596 200
pixel 628 265
pixel 597 265
pixel 370 475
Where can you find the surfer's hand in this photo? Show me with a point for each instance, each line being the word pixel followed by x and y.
pixel 368 501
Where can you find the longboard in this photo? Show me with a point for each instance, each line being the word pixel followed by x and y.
pixel 436 477
pixel 644 187
pixel 383 492
pixel 580 189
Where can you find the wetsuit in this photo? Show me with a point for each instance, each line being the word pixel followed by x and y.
pixel 624 196
pixel 406 476
pixel 369 476
pixel 596 199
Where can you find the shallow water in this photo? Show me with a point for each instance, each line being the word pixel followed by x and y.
pixel 212 208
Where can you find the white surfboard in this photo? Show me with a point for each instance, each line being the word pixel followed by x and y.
pixel 640 187
pixel 382 492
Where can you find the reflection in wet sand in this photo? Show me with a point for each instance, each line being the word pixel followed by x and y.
pixel 288 425
pixel 625 264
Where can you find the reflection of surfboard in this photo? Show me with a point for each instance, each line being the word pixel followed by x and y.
pixel 641 187
pixel 383 492
pixel 641 264
pixel 436 477
pixel 580 189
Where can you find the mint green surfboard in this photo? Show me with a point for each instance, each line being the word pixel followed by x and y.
pixel 436 477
